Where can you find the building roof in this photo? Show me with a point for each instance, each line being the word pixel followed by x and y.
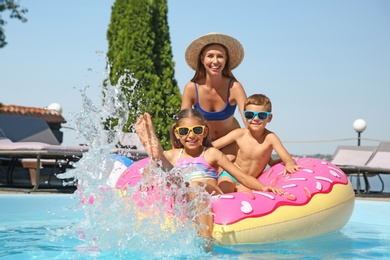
pixel 50 116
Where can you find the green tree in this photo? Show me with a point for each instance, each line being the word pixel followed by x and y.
pixel 139 50
pixel 16 12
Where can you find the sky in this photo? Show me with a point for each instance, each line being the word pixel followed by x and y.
pixel 323 64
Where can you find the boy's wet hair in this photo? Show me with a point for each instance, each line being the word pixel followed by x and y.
pixel 187 113
pixel 259 100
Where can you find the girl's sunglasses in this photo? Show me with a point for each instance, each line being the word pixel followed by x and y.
pixel 249 115
pixel 185 130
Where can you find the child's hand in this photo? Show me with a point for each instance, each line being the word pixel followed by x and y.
pixel 275 190
pixel 291 168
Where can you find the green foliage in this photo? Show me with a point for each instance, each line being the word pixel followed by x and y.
pixel 16 12
pixel 139 47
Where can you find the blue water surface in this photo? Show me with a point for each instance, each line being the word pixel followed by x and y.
pixel 36 226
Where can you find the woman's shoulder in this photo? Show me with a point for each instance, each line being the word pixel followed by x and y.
pixel 237 92
pixel 189 95
pixel 235 84
pixel 191 85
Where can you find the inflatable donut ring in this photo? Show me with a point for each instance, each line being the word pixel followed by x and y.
pixel 318 200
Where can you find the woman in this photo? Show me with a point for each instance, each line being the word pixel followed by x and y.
pixel 213 90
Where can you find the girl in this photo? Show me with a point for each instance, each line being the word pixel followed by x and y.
pixel 192 147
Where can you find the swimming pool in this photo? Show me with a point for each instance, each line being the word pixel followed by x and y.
pixel 40 226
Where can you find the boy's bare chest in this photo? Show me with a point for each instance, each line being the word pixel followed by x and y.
pixel 256 151
pixel 252 148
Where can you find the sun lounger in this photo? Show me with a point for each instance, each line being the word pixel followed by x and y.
pixel 30 140
pixel 130 146
pixel 351 159
pixel 379 163
pixel 381 159
pixel 16 151
pixel 34 154
pixel 367 161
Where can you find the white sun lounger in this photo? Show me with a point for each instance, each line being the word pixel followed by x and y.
pixel 37 151
pixel 351 159
pixel 31 141
pixel 130 146
pixel 379 163
pixel 33 154
pixel 365 160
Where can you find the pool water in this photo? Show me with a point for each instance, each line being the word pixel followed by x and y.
pixel 41 226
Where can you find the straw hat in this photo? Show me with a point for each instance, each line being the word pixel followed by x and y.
pixel 235 49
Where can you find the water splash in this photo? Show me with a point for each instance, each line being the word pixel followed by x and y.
pixel 138 222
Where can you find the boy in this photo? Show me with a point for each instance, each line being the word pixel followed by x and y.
pixel 255 144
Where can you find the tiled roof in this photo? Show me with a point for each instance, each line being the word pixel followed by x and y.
pixel 50 116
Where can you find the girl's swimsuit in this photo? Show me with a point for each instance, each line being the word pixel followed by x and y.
pixel 227 112
pixel 226 174
pixel 200 168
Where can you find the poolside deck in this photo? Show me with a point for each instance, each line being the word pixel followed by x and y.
pixel 70 190
pixel 381 196
pixel 10 190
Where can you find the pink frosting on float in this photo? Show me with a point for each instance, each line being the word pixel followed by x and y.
pixel 132 175
pixel 316 176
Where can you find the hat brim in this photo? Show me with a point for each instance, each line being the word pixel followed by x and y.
pixel 234 47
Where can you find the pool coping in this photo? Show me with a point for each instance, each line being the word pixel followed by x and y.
pixel 384 196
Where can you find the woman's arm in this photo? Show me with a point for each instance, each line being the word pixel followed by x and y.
pixel 238 93
pixel 189 96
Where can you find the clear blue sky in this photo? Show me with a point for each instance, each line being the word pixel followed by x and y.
pixel 324 64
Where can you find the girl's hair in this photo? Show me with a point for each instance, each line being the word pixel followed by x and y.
pixel 259 100
pixel 187 113
pixel 200 72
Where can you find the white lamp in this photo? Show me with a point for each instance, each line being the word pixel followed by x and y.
pixel 359 125
pixel 56 107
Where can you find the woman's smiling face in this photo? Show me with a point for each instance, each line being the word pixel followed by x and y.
pixel 214 58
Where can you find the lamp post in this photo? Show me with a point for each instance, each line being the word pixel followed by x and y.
pixel 359 125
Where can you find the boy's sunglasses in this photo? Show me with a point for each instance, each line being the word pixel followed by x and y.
pixel 185 130
pixel 249 115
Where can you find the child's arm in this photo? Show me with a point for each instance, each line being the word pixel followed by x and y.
pixel 289 162
pixel 272 162
pixel 227 139
pixel 145 131
pixel 246 180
